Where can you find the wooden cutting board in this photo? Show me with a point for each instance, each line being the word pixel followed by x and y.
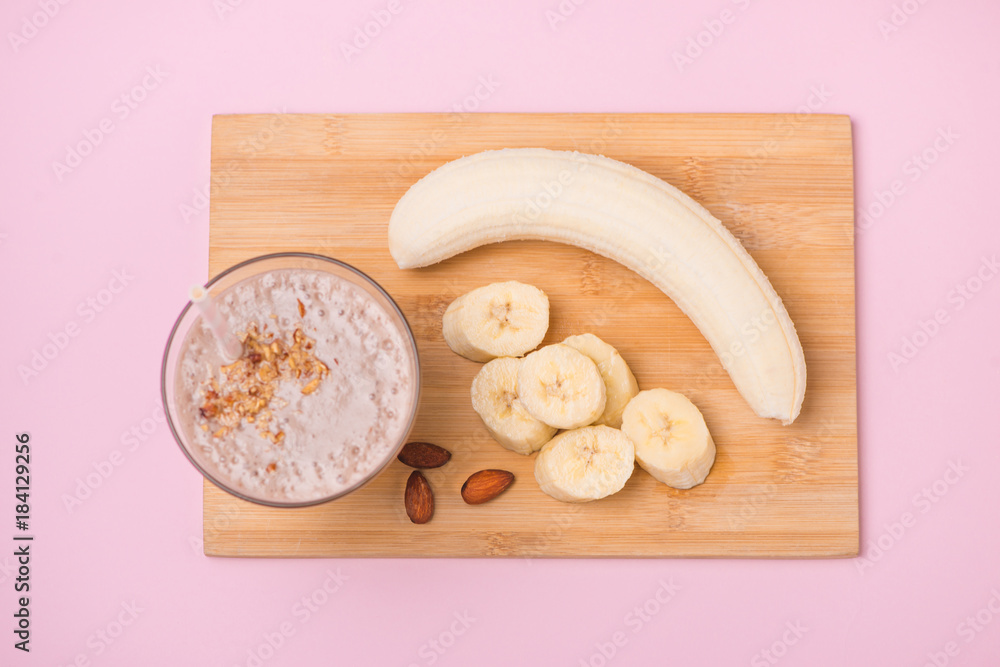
pixel 783 184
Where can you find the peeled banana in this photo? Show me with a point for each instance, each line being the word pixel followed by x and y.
pixel 621 212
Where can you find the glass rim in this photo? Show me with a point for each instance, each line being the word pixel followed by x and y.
pixel 304 503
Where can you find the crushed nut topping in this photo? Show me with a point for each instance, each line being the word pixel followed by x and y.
pixel 248 384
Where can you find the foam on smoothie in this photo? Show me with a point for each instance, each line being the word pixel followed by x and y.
pixel 333 437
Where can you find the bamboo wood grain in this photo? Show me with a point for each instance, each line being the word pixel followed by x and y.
pixel 783 184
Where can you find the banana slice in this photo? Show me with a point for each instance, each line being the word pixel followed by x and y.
pixel 619 383
pixel 561 387
pixel 494 398
pixel 585 464
pixel 499 320
pixel 672 442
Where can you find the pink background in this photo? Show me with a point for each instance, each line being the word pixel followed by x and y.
pixel 134 539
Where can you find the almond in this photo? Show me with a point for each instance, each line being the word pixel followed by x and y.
pixel 423 455
pixel 418 499
pixel 486 485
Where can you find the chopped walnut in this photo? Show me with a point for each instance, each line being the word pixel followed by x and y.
pixel 248 384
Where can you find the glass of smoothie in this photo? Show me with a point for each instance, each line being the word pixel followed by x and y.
pixel 315 396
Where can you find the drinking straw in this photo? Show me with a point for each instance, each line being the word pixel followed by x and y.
pixel 229 345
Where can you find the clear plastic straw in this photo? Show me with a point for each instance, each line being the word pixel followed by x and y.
pixel 229 344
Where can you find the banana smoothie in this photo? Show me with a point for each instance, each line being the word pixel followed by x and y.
pixel 319 398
